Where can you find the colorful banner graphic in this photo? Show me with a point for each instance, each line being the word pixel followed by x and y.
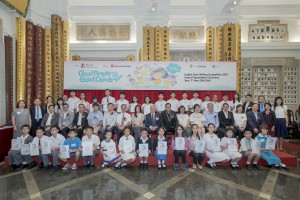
pixel 98 75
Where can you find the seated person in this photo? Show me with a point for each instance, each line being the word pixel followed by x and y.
pixel 80 120
pixel 109 150
pixel 17 161
pixel 65 120
pixel 152 121
pixel 109 121
pixel 123 120
pixel 168 119
pixel 95 118
pixel 254 120
pixel 50 119
pixel 75 149
pixel 226 120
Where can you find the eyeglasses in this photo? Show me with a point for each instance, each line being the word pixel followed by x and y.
pixel 179 129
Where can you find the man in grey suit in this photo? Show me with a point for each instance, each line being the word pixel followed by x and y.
pixel 17 161
pixel 65 120
pixel 50 119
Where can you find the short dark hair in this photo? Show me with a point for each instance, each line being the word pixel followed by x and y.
pixel 184 92
pixel 72 91
pixel 122 93
pixel 80 105
pixel 224 104
pixel 95 104
pixel 73 130
pixel 110 104
pixel 94 97
pixel 40 128
pixel 172 92
pixel 161 93
pixel 194 92
pixel 25 125
pixel 144 129
pixel 127 127
pixel 248 95
pixel 54 127
pixel 65 104
pixel 89 127
pixel 207 95
pixel 20 102
pixel 51 106
pixel 224 94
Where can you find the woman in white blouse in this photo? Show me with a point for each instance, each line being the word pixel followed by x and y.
pixel 84 102
pixel 198 118
pixel 240 121
pixel 236 101
pixel 184 120
pixel 137 120
pixel 146 105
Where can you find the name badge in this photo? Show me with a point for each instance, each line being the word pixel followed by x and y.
pixel 157 118
pixel 73 145
pixel 18 112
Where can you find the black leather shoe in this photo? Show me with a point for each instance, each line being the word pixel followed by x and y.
pixel 48 167
pixel 92 166
pixel 141 166
pixel 55 168
pixel 19 167
pixel 146 166
pixel 85 167
pixel 248 166
pixel 31 165
pixel 256 166
pixel 12 167
pixel 41 166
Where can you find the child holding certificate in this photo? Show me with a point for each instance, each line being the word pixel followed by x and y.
pixel 196 147
pixel 229 146
pixel 18 161
pixel 212 148
pixel 160 146
pixel 180 144
pixel 143 148
pixel 75 149
pixel 109 150
pixel 267 154
pixel 126 147
pixel 94 140
pixel 247 151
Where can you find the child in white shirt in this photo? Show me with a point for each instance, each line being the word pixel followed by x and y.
pixel 109 150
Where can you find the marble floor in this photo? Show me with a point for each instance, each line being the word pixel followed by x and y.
pixel 131 183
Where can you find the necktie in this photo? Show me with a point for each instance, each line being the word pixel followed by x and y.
pixel 107 99
pixel 261 108
pixel 123 120
pixel 39 142
pixel 153 119
pixel 37 117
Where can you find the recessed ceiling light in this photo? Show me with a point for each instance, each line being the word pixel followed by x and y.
pixel 234 2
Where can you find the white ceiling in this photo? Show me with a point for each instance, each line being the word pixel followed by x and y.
pixel 269 2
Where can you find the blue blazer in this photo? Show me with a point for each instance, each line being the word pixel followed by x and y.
pixel 149 122
pixel 252 123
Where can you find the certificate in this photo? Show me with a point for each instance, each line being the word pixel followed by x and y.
pixel 199 146
pixel 143 148
pixel 34 149
pixel 180 143
pixel 216 145
pixel 87 148
pixel 127 146
pixel 46 148
pixel 162 148
pixel 232 144
pixel 15 144
pixel 271 142
pixel 64 151
pixel 255 145
pixel 25 149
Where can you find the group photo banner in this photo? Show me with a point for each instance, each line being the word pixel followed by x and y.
pixel 149 75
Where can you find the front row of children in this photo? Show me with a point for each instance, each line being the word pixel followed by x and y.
pixel 128 149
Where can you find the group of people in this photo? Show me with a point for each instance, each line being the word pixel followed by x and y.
pixel 194 120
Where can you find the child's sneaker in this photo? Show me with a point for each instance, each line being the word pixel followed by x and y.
pixel 74 166
pixel 185 166
pixel 176 166
pixel 66 166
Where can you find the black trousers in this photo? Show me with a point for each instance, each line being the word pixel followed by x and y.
pixel 34 126
pixel 197 157
pixel 180 153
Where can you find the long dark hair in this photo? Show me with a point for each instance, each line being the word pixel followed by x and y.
pixel 275 102
pixel 176 133
pixel 239 97
pixel 237 107
pixel 197 135
pixel 59 99
pixel 180 109
pixel 135 114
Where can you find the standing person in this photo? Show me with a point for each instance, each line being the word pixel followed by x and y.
pixel 50 119
pixel 20 117
pixel 95 118
pixel 236 101
pixel 173 101
pixel 123 120
pixel 107 99
pixel 184 101
pixel 168 119
pixel 56 140
pixel 66 118
pixel 36 112
pixel 254 120
pixel 225 100
pixel 247 105
pixel 137 121
pixel 281 121
pixel 206 101
pixel 95 100
pixel 240 121
pixel 65 98
pixel 59 105
pixel 198 118
pixel 122 101
pixel 217 106
pixel 160 104
pixel 17 161
pixel 161 158
pixel 133 104
pixel 184 120
pixel 146 105
pixel 94 139
pixel 80 121
pixel 269 118
pixel 179 152
pixel 72 101
pixel 109 121
pixel 84 102
pixel 49 101
pixel 152 121
pixel 143 139
pixel 261 103
pixel 195 100
pixel 38 140
pixel 198 158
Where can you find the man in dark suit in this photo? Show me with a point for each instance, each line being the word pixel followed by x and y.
pixel 254 120
pixel 261 103
pixel 80 120
pixel 37 112
pixel 65 120
pixel 50 119
pixel 247 105
pixel 152 121
pixel 168 119
pixel 226 121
